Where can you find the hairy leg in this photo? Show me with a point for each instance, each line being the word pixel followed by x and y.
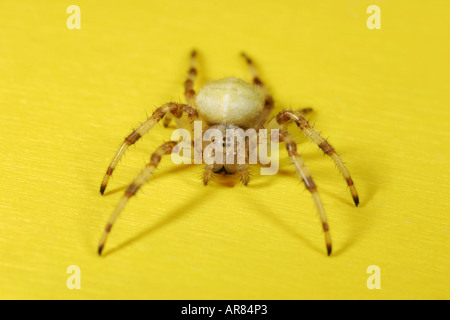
pixel 243 173
pixel 268 100
pixel 305 175
pixel 287 116
pixel 173 108
pixel 189 92
pixel 142 178
pixel 208 174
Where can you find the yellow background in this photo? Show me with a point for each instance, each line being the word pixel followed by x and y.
pixel 69 97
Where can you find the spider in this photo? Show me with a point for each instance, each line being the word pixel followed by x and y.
pixel 222 104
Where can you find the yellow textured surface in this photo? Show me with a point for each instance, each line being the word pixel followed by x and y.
pixel 69 97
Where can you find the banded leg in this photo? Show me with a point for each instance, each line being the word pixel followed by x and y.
pixel 189 92
pixel 268 100
pixel 175 109
pixel 142 178
pixel 167 119
pixel 305 175
pixel 286 116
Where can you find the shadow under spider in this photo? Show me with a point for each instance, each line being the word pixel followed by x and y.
pixel 230 181
pixel 166 220
pixel 156 176
pixel 288 228
pixel 222 180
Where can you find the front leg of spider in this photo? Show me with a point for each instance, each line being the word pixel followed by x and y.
pixel 142 178
pixel 287 116
pixel 305 175
pixel 171 108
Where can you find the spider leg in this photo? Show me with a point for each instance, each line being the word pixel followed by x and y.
pixel 286 116
pixel 268 100
pixel 305 175
pixel 189 92
pixel 142 178
pixel 243 169
pixel 169 108
pixel 243 174
pixel 208 174
pixel 167 119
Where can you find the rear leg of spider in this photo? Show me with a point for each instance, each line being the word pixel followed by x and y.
pixel 189 92
pixel 268 100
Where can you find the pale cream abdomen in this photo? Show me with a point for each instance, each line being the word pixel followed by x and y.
pixel 230 100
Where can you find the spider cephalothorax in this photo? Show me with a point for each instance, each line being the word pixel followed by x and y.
pixel 223 105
